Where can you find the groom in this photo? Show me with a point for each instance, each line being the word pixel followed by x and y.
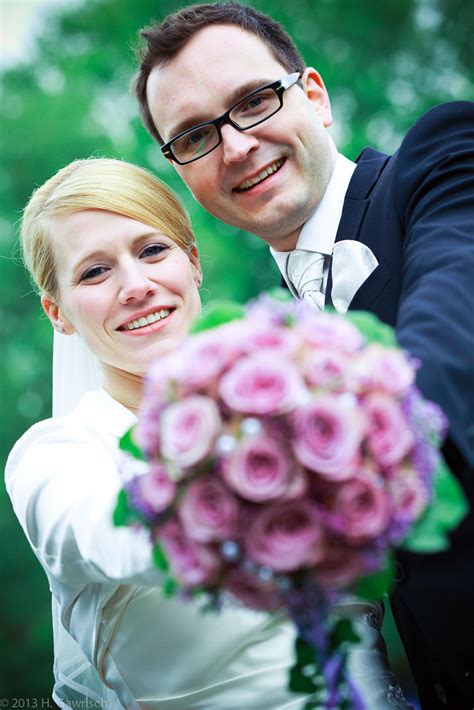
pixel 225 92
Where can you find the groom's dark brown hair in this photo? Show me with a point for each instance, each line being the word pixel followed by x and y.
pixel 164 41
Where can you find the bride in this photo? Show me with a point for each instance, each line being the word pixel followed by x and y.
pixel 114 258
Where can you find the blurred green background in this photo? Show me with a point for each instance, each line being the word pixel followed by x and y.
pixel 384 63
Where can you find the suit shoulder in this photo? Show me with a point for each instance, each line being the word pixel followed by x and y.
pixel 444 124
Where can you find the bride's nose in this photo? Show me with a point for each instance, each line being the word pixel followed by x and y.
pixel 136 285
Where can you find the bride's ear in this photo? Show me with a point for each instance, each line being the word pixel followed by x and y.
pixel 196 264
pixel 55 315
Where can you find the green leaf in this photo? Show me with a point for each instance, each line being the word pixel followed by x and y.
pixel 128 444
pixel 124 514
pixel 448 508
pixel 372 328
pixel 219 313
pixel 343 632
pixel 159 557
pixel 279 294
pixel 170 587
pixel 449 500
pixel 375 585
pixel 120 514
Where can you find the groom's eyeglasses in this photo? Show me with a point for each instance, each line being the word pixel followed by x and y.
pixel 255 108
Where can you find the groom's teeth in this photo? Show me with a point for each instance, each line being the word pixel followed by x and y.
pixel 147 320
pixel 247 184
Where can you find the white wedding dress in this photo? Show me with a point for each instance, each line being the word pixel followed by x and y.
pixel 119 643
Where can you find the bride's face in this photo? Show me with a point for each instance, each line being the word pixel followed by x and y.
pixel 129 291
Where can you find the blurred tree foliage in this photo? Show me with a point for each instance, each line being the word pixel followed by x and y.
pixel 384 63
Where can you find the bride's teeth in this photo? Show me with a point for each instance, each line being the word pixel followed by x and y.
pixel 147 320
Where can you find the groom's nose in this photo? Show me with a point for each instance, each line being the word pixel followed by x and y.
pixel 236 144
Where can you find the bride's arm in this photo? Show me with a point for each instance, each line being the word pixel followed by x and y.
pixel 63 482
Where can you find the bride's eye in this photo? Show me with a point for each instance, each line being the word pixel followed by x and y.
pixel 153 250
pixel 93 273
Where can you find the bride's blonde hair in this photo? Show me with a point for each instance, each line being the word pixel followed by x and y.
pixel 102 184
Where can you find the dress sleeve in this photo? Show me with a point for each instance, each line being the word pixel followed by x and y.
pixel 435 203
pixel 63 483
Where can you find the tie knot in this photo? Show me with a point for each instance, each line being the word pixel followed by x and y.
pixel 305 271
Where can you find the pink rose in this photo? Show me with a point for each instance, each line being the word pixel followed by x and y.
pixel 188 430
pixel 208 510
pixel 328 434
pixel 258 469
pixel 286 536
pixel 252 591
pixel 260 335
pixel 156 488
pixel 384 369
pixel 191 564
pixel 408 492
pixel 258 385
pixel 341 567
pixel 326 368
pixel 361 509
pixel 389 436
pixel 205 357
pixel 329 332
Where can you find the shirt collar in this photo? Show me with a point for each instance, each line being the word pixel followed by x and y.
pixel 319 232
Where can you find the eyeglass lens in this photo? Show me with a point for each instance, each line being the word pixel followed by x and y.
pixel 250 111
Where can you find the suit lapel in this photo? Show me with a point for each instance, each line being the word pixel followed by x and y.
pixel 370 164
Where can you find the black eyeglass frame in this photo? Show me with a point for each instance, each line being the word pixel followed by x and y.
pixel 279 87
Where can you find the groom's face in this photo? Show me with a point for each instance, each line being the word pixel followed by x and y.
pixel 218 67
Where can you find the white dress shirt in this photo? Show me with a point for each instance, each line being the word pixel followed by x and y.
pixel 118 641
pixel 319 232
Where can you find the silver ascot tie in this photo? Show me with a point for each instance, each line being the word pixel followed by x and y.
pixel 352 264
pixel 305 272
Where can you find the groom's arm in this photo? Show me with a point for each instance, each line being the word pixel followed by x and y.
pixel 435 203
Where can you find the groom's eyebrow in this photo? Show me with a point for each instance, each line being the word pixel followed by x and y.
pixel 233 98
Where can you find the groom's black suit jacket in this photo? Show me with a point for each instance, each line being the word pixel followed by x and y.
pixel 415 211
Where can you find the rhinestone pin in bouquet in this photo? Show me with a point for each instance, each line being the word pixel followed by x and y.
pixel 280 456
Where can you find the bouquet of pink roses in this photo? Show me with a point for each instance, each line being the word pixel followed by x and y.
pixel 280 455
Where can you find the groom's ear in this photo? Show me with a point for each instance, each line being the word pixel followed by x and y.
pixel 56 316
pixel 316 92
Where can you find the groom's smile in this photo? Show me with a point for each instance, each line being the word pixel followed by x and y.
pixel 266 179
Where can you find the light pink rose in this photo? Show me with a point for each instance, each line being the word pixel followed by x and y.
pixel 408 493
pixel 361 509
pixel 261 335
pixel 286 536
pixel 389 436
pixel 156 488
pixel 298 487
pixel 204 358
pixel 258 385
pixel 259 469
pixel 329 331
pixel 386 369
pixel 191 564
pixel 328 433
pixel 252 591
pixel 189 429
pixel 326 368
pixel 208 510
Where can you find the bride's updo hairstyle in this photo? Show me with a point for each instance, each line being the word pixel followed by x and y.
pixel 97 184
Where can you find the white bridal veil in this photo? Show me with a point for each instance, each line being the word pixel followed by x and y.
pixel 76 370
